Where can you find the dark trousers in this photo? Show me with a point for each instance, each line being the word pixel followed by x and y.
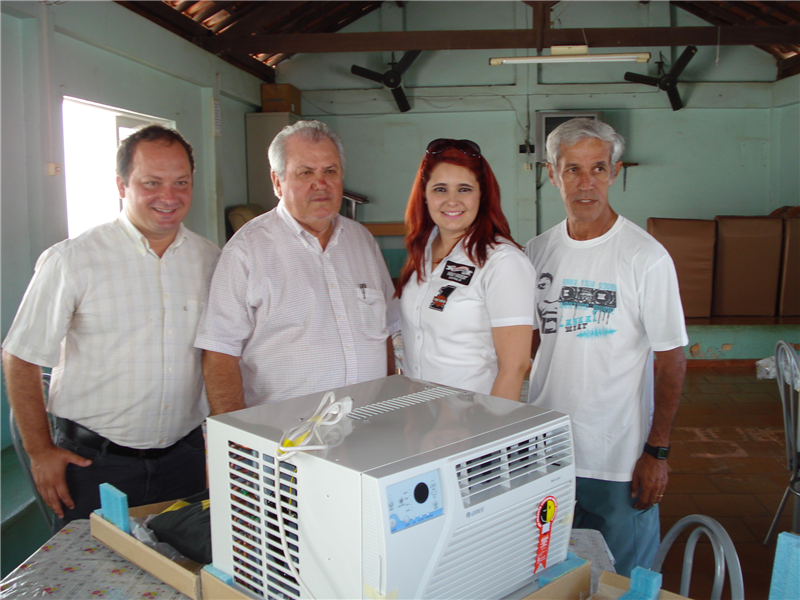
pixel 178 474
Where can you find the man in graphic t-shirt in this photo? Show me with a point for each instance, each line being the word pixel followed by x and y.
pixel 610 304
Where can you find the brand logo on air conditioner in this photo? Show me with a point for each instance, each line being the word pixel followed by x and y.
pixel 472 513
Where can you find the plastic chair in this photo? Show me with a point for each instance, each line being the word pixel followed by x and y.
pixel 49 516
pixel 724 553
pixel 787 369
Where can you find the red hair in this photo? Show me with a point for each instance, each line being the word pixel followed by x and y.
pixel 489 228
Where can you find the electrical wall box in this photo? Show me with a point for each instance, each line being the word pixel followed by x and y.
pixel 424 491
pixel 547 121
pixel 281 97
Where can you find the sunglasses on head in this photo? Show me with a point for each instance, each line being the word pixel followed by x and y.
pixel 467 147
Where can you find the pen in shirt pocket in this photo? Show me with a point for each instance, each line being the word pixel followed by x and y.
pixel 363 288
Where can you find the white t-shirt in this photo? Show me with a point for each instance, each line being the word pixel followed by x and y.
pixel 603 306
pixel 448 318
pixel 301 318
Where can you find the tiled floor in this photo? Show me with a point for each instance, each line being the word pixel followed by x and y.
pixel 728 462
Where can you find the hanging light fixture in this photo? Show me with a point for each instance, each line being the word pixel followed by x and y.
pixel 568 54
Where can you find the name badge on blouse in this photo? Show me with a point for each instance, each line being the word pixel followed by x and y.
pixel 458 273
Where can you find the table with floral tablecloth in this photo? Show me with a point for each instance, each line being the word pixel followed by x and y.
pixel 72 564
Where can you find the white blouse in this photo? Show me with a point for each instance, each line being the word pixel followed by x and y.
pixel 449 316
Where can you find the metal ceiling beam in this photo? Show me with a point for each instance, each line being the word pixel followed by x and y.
pixel 745 35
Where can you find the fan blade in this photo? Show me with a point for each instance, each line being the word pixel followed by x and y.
pixel 405 62
pixel 645 79
pixel 683 60
pixel 400 98
pixel 362 72
pixel 674 99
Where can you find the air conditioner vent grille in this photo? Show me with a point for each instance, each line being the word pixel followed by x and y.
pixel 493 473
pixel 365 412
pixel 501 547
pixel 259 562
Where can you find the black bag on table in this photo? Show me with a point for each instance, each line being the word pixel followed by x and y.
pixel 186 526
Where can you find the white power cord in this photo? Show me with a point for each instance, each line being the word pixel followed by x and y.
pixel 298 439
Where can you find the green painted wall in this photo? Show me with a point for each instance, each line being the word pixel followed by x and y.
pixel 734 342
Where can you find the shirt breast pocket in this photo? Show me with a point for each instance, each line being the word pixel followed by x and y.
pixel 371 309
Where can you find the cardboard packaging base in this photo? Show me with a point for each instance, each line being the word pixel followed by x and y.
pixel 183 576
pixel 573 585
pixel 612 586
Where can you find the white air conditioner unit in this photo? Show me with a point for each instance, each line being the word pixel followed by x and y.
pixel 424 492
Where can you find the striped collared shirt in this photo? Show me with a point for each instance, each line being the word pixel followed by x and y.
pixel 301 318
pixel 118 323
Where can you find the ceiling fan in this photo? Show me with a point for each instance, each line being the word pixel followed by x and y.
pixel 667 81
pixel 393 78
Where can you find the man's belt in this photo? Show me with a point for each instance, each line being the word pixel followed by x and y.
pixel 86 437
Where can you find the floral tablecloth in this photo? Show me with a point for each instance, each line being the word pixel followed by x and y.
pixel 72 564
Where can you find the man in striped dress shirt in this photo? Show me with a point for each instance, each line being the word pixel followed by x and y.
pixel 114 311
pixel 301 300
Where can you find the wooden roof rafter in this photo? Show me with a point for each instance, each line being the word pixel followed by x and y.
pixel 256 36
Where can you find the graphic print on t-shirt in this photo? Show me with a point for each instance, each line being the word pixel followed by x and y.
pixel 582 307
pixel 440 299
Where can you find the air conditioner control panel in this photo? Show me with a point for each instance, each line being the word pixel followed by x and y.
pixel 414 501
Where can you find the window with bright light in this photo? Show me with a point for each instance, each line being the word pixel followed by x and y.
pixel 92 133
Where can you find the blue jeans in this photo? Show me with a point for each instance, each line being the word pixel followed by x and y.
pixel 178 474
pixel 633 536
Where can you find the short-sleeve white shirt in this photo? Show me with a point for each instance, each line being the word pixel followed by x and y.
pixel 301 318
pixel 449 316
pixel 603 306
pixel 118 323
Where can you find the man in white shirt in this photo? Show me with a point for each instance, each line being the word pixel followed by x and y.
pixel 114 311
pixel 301 300
pixel 614 302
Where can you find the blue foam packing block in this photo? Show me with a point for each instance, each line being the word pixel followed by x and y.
pixel 645 585
pixel 556 571
pixel 224 577
pixel 786 568
pixel 115 506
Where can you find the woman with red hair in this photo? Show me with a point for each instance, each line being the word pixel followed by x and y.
pixel 466 290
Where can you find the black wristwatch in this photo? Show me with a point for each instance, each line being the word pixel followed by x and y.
pixel 659 452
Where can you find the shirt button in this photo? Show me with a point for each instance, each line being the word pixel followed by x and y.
pixel 169 332
pixel 169 369
pixel 166 295
pixel 419 337
pixel 341 316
